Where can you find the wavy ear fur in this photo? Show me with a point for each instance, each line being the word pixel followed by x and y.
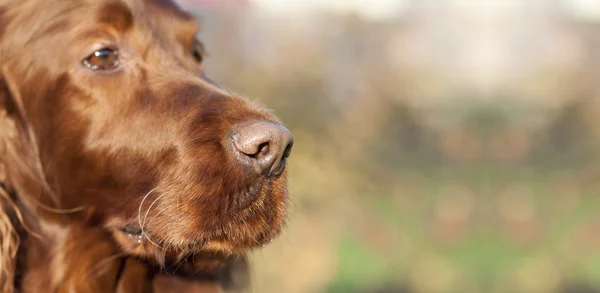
pixel 13 147
pixel 9 236
pixel 10 216
pixel 12 141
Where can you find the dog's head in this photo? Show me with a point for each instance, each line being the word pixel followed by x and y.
pixel 110 99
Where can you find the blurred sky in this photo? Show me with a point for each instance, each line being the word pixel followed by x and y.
pixel 368 8
pixel 584 9
pixel 379 9
pixel 479 44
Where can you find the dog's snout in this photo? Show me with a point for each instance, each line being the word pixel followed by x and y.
pixel 265 145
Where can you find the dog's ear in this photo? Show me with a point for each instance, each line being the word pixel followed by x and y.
pixel 7 105
pixel 9 236
pixel 9 212
pixel 11 219
pixel 18 143
pixel 8 128
pixel 10 120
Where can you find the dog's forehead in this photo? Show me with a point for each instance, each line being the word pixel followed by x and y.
pixel 115 14
pixel 121 14
pixel 36 17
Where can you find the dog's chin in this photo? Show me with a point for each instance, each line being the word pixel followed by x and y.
pixel 247 229
pixel 207 254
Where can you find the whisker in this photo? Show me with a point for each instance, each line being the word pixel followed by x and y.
pixel 59 211
pixel 162 260
pixel 142 203
pixel 150 207
pixel 93 271
pixel 159 212
pixel 179 263
pixel 140 219
pixel 177 202
pixel 146 235
pixel 150 240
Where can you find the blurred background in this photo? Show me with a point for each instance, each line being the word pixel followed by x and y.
pixel 440 145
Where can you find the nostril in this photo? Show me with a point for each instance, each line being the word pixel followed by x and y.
pixel 263 150
pixel 288 150
pixel 250 147
pixel 262 144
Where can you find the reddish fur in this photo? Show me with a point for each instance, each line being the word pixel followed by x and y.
pixel 79 150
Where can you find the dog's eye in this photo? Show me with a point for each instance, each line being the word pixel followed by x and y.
pixel 198 52
pixel 103 59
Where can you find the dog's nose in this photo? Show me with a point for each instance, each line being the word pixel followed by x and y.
pixel 265 145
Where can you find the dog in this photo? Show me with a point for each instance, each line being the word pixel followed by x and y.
pixel 123 167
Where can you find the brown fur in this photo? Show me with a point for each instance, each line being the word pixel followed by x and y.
pixel 84 154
